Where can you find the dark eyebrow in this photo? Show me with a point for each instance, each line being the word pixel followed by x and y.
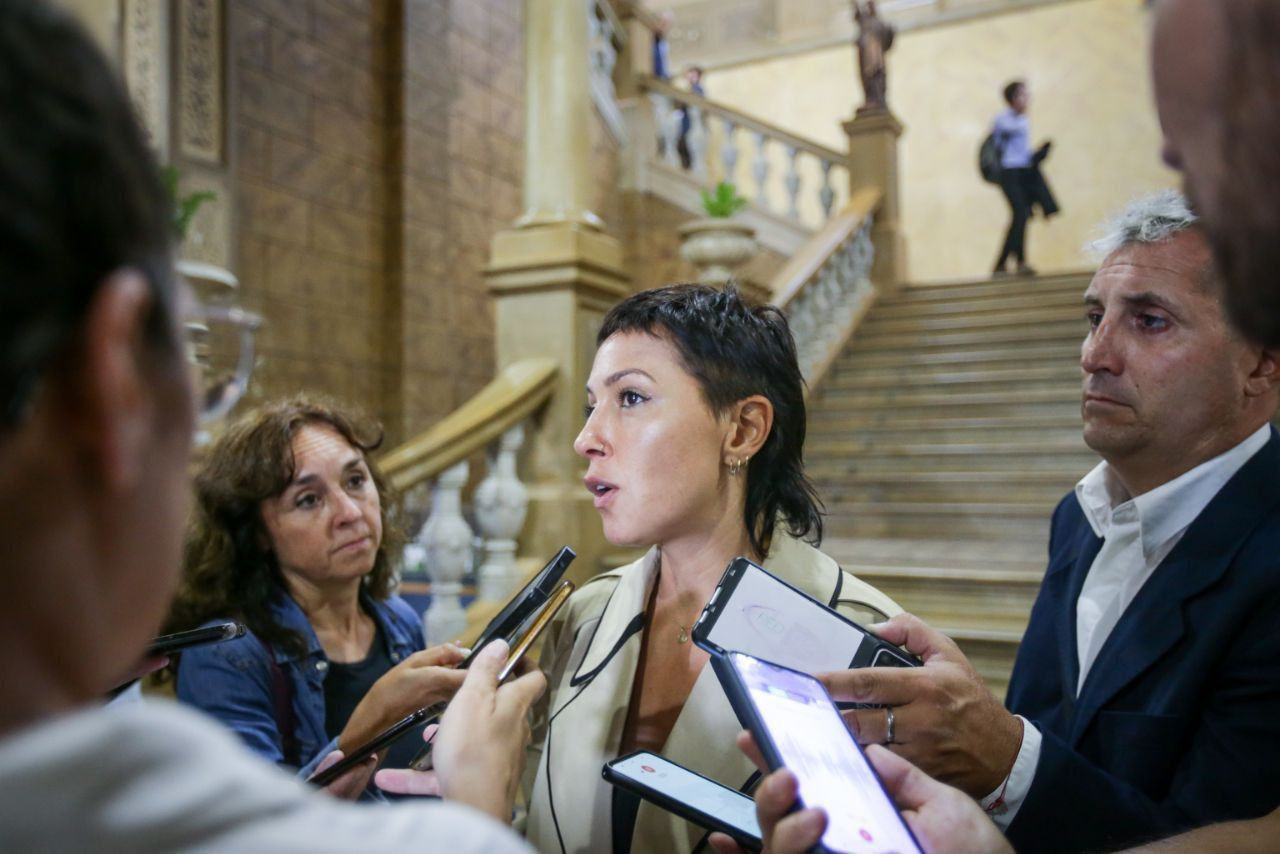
pixel 1144 298
pixel 618 375
pixel 310 478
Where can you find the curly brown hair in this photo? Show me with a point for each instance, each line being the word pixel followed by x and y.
pixel 228 568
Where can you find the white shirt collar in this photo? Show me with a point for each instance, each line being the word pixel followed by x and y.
pixel 1166 511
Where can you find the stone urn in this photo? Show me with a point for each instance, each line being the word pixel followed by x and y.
pixel 716 246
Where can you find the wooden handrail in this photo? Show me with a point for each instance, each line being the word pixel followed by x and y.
pixel 805 263
pixel 507 400
pixel 649 83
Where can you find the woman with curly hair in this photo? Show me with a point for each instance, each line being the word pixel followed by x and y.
pixel 291 536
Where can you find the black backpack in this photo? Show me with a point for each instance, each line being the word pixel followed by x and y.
pixel 989 159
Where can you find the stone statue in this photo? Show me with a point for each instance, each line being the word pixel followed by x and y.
pixel 875 37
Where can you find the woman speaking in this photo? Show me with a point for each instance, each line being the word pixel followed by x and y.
pixel 695 424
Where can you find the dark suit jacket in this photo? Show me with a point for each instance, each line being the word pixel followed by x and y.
pixel 1178 721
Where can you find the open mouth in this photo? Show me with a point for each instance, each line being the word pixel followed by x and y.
pixel 602 490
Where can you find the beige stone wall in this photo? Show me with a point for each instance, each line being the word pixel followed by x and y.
pixel 1085 62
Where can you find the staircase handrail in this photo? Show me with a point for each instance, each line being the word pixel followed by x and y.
pixel 826 289
pixel 513 395
pixel 649 83
pixel 801 267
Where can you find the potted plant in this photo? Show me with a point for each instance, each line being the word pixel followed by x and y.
pixel 719 243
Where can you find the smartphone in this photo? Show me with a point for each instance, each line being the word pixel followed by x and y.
pixel 530 598
pixel 687 794
pixel 533 627
pixel 753 611
pixel 524 638
pixel 178 641
pixel 370 747
pixel 797 726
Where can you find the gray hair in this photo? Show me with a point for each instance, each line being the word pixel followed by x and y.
pixel 1149 219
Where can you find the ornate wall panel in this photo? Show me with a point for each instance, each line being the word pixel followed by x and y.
pixel 200 129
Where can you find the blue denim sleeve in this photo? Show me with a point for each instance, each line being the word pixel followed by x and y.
pixel 232 682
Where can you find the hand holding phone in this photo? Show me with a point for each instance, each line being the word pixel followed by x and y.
pixel 755 612
pixel 687 794
pixel 524 638
pixel 370 747
pixel 796 725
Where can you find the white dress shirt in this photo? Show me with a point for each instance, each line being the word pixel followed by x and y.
pixel 1137 533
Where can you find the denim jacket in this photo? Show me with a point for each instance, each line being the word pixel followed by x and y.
pixel 232 681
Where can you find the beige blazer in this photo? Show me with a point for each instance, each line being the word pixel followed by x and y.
pixel 590 658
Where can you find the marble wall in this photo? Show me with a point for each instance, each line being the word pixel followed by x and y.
pixel 1085 62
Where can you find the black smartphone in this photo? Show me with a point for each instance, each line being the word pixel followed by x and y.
pixel 530 598
pixel 178 641
pixel 370 747
pixel 522 641
pixel 797 726
pixel 687 794
pixel 753 611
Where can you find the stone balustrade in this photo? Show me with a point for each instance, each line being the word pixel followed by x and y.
pixel 785 174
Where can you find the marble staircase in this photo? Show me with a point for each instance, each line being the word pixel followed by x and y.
pixel 941 441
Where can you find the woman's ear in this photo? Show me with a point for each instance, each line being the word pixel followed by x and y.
pixel 750 422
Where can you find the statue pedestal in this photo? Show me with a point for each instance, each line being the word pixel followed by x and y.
pixel 873 162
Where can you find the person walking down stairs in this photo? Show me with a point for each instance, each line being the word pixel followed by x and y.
pixel 1020 177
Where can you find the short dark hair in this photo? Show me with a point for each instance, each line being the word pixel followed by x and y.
pixel 1011 89
pixel 229 570
pixel 80 194
pixel 734 350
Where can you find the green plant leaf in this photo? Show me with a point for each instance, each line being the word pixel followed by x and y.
pixel 724 203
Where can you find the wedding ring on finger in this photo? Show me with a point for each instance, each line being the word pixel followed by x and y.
pixel 888 725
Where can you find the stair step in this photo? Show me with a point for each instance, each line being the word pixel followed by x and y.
pixel 865 341
pixel 830 420
pixel 1067 375
pixel 892 489
pixel 976 356
pixel 993 320
pixel 932 554
pixel 1071 298
pixel 941 431
pixel 822 448
pixel 1033 528
pixel 829 469
pixel 899 400
pixel 934 292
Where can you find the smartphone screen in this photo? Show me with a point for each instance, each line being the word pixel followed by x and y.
pixel 812 742
pixel 705 798
pixel 768 619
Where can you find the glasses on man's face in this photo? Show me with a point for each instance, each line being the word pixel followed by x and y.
pixel 220 351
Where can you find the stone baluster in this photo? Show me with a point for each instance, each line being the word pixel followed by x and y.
pixel 447 538
pixel 760 168
pixel 697 142
pixel 826 195
pixel 501 502
pixel 729 150
pixel 792 182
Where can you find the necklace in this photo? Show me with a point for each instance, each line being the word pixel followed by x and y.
pixel 684 635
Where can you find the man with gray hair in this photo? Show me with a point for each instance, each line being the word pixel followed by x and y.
pixel 1146 694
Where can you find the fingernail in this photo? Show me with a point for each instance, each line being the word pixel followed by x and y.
pixel 495 649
